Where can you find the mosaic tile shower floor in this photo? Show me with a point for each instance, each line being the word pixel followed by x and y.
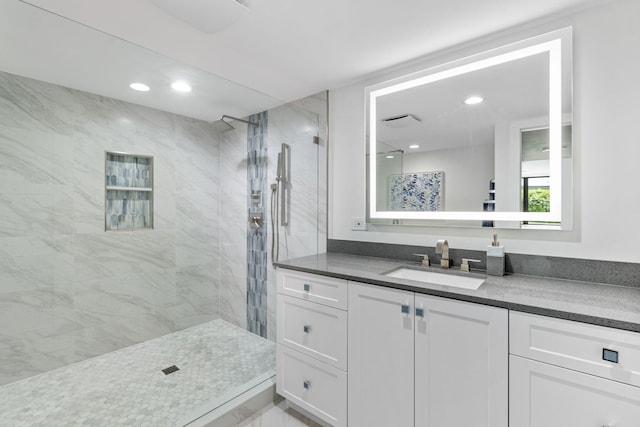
pixel 128 388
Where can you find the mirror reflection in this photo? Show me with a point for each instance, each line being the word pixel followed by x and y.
pixel 479 141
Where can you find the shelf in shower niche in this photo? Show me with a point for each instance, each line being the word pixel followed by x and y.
pixel 117 188
pixel 128 192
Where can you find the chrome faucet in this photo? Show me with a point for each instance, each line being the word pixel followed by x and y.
pixel 442 247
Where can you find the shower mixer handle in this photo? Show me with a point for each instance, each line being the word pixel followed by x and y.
pixel 255 220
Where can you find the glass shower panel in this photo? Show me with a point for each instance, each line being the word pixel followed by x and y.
pixel 299 129
pixel 298 125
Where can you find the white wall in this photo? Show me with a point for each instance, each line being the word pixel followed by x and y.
pixel 467 172
pixel 606 152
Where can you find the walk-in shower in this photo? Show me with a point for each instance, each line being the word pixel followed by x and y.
pixel 73 294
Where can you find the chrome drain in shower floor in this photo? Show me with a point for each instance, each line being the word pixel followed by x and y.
pixel 170 370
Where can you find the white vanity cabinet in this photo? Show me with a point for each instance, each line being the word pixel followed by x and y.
pixel 572 374
pixel 425 361
pixel 312 344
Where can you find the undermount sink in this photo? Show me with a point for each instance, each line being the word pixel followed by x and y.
pixel 431 277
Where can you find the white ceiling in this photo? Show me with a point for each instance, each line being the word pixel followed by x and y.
pixel 512 91
pixel 288 49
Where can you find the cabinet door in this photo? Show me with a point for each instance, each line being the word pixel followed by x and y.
pixel 544 395
pixel 461 364
pixel 380 357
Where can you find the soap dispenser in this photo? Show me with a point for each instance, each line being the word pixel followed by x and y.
pixel 495 258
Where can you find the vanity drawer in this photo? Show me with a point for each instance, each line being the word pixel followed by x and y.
pixel 312 385
pixel 313 329
pixel 597 350
pixel 314 288
pixel 543 395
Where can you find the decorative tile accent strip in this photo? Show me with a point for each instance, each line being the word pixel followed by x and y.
pixel 420 191
pixel 257 162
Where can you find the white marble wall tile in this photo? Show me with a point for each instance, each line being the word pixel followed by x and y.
pixel 68 289
pixel 233 284
pixel 88 187
pixel 121 126
pixel 26 273
pixel 197 295
pixel 12 248
pixel 164 195
pixel 195 247
pixel 117 313
pixel 26 214
pixel 197 156
pixel 35 336
pixel 63 225
pixel 33 105
pixel 21 312
pixel 26 158
pixel 233 226
pixel 198 208
pixel 15 356
pixel 118 254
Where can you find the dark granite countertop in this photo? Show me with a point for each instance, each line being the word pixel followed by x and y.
pixel 595 303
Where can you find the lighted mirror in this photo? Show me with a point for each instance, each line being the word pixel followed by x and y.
pixel 485 140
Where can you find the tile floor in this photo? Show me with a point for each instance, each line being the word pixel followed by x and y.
pixel 216 360
pixel 277 415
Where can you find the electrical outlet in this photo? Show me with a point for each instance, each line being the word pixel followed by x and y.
pixel 358 224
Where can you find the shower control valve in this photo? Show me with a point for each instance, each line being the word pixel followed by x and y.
pixel 256 219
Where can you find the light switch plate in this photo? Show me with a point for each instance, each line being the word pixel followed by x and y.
pixel 358 224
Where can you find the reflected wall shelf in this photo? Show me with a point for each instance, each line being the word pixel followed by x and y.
pixel 128 192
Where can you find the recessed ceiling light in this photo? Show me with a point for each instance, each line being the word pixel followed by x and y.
pixel 414 146
pixel 473 100
pixel 141 87
pixel 389 157
pixel 181 87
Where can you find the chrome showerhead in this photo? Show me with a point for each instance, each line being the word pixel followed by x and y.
pixel 223 125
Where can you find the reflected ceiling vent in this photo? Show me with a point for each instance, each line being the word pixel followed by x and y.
pixel 209 16
pixel 401 121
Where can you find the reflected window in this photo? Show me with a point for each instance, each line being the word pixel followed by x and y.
pixel 535 194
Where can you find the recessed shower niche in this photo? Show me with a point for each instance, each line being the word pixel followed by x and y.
pixel 128 192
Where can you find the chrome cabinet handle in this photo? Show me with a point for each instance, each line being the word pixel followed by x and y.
pixel 405 308
pixel 306 384
pixel 307 287
pixel 419 312
pixel 306 328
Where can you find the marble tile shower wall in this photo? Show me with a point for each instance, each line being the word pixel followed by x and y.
pixel 233 226
pixel 68 289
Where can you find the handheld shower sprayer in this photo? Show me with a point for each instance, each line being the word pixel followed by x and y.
pixel 279 199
